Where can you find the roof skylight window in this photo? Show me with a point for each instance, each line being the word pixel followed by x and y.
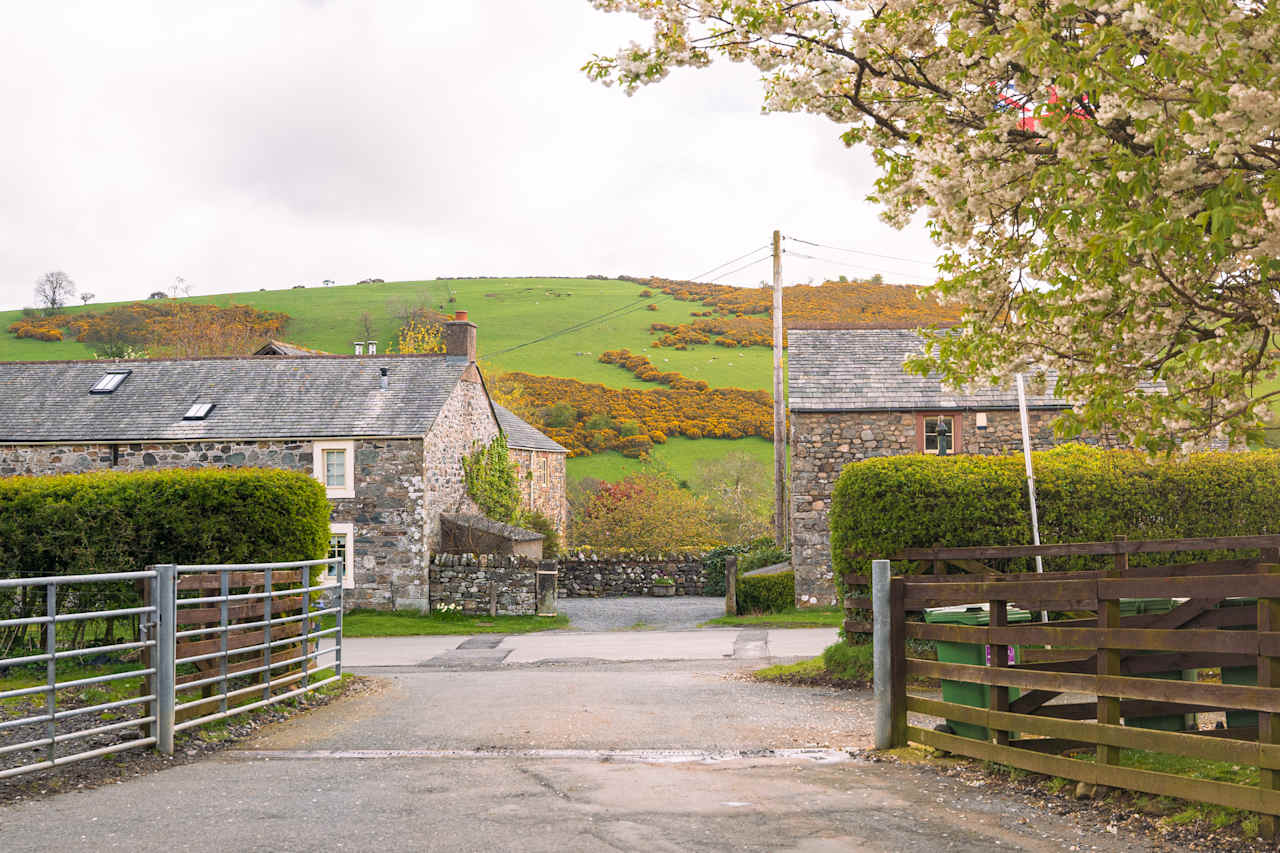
pixel 198 411
pixel 110 381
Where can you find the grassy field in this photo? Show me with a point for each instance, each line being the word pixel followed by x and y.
pixel 682 457
pixel 400 623
pixel 794 618
pixel 508 312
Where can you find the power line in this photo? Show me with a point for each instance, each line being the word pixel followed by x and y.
pixel 726 263
pixel 739 269
pixel 858 251
pixel 848 264
pixel 624 310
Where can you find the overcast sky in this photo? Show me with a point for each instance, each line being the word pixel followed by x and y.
pixel 266 144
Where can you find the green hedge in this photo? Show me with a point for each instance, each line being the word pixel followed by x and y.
pixel 118 522
pixel 767 593
pixel 1084 494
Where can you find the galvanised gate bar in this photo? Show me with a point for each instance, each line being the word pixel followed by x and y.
pixel 215 640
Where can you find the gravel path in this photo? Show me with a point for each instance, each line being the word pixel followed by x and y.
pixel 619 614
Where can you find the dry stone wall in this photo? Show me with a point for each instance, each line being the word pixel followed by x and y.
pixel 467 582
pixel 586 576
pixel 823 443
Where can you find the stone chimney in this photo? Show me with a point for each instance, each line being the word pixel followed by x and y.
pixel 460 340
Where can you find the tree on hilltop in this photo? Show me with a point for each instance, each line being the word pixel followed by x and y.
pixel 1104 181
pixel 53 289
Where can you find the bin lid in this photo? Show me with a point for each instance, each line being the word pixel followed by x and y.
pixel 971 614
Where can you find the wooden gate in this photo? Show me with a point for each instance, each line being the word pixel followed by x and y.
pixel 1090 675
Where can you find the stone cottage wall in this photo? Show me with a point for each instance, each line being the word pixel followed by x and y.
pixel 387 511
pixel 543 484
pixel 465 422
pixel 465 581
pixel 823 443
pixel 585 576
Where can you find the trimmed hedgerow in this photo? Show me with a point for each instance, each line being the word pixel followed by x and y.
pixel 766 593
pixel 119 522
pixel 1084 494
pixel 76 524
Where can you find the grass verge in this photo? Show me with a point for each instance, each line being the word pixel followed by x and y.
pixel 793 618
pixel 840 665
pixel 400 623
pixel 1184 823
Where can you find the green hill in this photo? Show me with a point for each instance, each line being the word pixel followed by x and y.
pixel 512 316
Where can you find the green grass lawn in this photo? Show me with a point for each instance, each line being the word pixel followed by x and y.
pixel 682 457
pixel 400 623
pixel 508 312
pixel 793 618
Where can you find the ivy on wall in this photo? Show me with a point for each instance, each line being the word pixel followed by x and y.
pixel 490 477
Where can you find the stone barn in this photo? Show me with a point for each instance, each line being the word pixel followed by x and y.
pixel 850 399
pixel 540 462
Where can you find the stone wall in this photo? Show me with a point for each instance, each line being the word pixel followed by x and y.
pixel 585 576
pixel 387 511
pixel 823 443
pixel 465 422
pixel 465 581
pixel 543 484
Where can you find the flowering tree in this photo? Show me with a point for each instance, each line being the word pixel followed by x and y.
pixel 1102 179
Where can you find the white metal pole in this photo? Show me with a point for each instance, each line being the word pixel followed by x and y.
pixel 1031 477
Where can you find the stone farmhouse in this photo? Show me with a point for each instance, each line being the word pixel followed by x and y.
pixel 385 434
pixel 850 399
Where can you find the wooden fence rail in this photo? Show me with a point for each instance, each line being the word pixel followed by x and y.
pixel 1086 680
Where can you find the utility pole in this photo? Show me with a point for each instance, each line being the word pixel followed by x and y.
pixel 779 405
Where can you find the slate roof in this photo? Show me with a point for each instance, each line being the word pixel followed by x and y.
pixel 255 397
pixel 274 347
pixel 489 525
pixel 522 435
pixel 853 370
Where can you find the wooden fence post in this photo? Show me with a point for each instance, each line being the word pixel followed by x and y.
pixel 997 696
pixel 731 585
pixel 1109 659
pixel 1268 676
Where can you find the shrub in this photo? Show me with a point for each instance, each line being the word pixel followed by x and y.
pixel 881 506
pixel 767 593
pixel 120 522
pixel 646 513
pixel 558 416
pixel 539 523
pixel 764 555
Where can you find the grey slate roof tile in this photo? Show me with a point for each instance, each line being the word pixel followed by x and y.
pixel 849 370
pixel 254 397
pixel 522 435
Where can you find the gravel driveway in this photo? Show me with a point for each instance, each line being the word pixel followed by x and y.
pixel 619 614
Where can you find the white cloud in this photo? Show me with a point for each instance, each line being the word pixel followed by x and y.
pixel 262 145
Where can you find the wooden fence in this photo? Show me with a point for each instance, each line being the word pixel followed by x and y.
pixel 1089 675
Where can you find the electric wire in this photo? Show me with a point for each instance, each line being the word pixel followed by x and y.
pixel 858 251
pixel 726 263
pixel 630 308
pixel 794 254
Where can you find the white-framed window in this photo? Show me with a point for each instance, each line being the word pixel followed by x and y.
pixel 342 545
pixel 935 424
pixel 334 465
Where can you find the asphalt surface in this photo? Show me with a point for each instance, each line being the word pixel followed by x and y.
pixel 646 756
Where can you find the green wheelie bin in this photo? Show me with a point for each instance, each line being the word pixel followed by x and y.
pixel 974 654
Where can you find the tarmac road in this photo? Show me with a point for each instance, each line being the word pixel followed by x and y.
pixel 644 756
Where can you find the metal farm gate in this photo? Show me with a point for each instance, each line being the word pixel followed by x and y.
pixel 211 641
